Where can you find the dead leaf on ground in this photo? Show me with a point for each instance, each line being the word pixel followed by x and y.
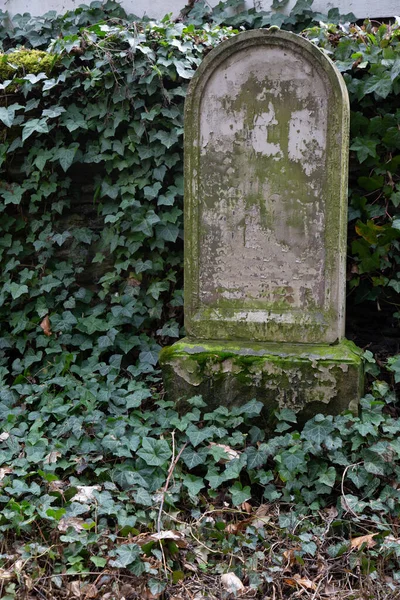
pixel 83 590
pixel 4 471
pixel 260 522
pixel 303 582
pixel 363 539
pixel 190 567
pixel 45 325
pixel 232 583
pixel 74 588
pixel 52 457
pixel 234 527
pixel 4 436
pixel 330 590
pixel 147 595
pixel 128 591
pixel 90 591
pixel 231 453
pixel 176 536
pixel 331 512
pixel 246 507
pixel 74 522
pixel 262 510
pixel 85 493
pixel 290 555
pixel 57 486
pixel 6 575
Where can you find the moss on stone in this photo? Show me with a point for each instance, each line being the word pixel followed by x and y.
pixel 23 61
pixel 308 378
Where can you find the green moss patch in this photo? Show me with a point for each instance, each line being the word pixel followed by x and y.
pixel 24 61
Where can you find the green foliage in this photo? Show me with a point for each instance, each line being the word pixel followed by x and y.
pixel 369 58
pixel 91 193
pixel 90 467
pixel 91 277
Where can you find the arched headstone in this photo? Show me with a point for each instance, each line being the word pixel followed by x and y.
pixel 266 151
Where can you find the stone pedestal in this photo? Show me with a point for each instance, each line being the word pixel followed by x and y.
pixel 308 378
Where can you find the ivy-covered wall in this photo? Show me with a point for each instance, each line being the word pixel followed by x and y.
pixel 91 179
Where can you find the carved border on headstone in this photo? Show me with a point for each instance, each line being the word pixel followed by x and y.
pixel 322 326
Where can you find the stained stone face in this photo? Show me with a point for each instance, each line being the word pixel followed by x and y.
pixel 266 130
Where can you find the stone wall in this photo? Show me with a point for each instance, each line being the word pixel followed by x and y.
pixel 158 8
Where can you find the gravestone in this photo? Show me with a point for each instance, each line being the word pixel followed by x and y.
pixel 266 151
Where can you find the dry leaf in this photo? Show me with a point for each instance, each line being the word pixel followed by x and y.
pixel 45 325
pixel 262 510
pixel 90 591
pixel 364 539
pixel 246 507
pixel 233 527
pixel 4 471
pixel 52 457
pixel 83 590
pixel 331 512
pixel 290 555
pixel 232 583
pixel 303 582
pixel 330 590
pixel 260 522
pixel 74 522
pixel 175 536
pixel 228 450
pixel 4 436
pixel 6 575
pixel 56 486
pixel 74 588
pixel 127 591
pixel 85 493
pixel 17 566
pixel 190 567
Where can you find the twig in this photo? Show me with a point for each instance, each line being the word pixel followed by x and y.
pixel 172 466
pixel 346 504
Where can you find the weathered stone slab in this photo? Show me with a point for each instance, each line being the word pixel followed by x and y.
pixel 309 379
pixel 266 150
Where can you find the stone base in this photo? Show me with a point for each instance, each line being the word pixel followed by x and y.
pixel 307 378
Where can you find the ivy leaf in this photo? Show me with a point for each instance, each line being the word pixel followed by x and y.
pixel 318 429
pixel 150 356
pixel 364 147
pixel 196 435
pixel 18 290
pixel 380 84
pixel 53 112
pixel 34 126
pixel 193 484
pixel 182 71
pixel 65 156
pixel 13 195
pixel 393 365
pixel 191 458
pixel 239 494
pixel 7 114
pixel 167 138
pixel 329 477
pixel 125 555
pixel 168 232
pixel 256 457
pixel 143 497
pixel 99 561
pixel 154 452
